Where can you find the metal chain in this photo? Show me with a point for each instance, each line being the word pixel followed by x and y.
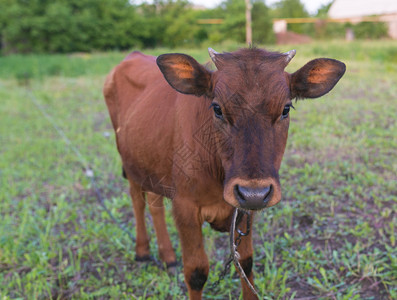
pixel 233 246
pixel 230 259
pixel 234 243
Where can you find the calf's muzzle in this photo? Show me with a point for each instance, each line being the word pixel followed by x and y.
pixel 252 194
pixel 253 198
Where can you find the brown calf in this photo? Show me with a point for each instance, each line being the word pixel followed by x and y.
pixel 210 141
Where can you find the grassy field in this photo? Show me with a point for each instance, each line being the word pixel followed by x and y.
pixel 333 236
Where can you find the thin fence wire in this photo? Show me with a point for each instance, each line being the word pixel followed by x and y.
pixel 88 171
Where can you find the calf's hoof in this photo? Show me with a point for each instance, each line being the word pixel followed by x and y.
pixel 172 268
pixel 143 258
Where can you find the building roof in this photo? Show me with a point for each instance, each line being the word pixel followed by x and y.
pixel 361 8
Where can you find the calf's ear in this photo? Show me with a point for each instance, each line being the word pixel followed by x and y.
pixel 185 74
pixel 316 78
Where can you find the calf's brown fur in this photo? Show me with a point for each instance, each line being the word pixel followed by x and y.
pixel 209 140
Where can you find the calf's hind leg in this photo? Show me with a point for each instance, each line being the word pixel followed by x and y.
pixel 142 251
pixel 156 207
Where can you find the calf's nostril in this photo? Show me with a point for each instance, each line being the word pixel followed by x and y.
pixel 252 198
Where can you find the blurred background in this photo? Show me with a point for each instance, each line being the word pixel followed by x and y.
pixel 60 26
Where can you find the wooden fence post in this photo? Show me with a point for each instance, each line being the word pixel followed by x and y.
pixel 248 22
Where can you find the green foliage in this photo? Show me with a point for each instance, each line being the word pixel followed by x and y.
pixel 60 26
pixel 171 23
pixel 363 30
pixel 322 12
pixel 262 25
pixel 367 30
pixel 65 26
pixel 331 30
pixel 233 27
pixel 234 19
pixel 292 9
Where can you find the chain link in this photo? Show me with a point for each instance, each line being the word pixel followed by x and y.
pixel 236 243
pixel 233 247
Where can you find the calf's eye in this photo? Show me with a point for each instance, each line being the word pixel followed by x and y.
pixel 217 110
pixel 286 111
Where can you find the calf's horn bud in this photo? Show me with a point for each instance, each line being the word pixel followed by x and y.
pixel 212 54
pixel 289 55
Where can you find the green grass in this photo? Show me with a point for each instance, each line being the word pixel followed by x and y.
pixel 333 236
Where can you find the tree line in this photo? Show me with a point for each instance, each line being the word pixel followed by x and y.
pixel 62 26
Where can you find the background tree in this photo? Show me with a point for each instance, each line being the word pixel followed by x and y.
pixel 233 13
pixel 262 24
pixel 291 9
pixel 322 12
pixel 171 23
pixel 64 26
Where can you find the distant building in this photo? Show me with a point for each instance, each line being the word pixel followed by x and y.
pixel 356 11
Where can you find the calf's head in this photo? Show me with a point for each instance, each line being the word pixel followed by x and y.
pixel 251 96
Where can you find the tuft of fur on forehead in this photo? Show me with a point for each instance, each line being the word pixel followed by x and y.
pixel 252 79
pixel 250 71
pixel 250 56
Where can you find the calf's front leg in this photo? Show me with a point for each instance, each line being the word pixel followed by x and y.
pixel 245 249
pixel 195 261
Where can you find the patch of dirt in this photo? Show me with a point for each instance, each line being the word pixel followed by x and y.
pixel 302 289
pixel 372 289
pixel 305 221
pixel 292 38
